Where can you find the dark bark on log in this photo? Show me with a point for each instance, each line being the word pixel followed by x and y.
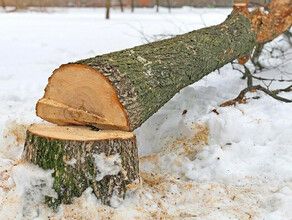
pixel 148 76
pixel 72 178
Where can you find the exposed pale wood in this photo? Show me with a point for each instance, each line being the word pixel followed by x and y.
pixel 61 114
pixel 80 95
pixel 77 133
pixel 268 25
pixel 274 23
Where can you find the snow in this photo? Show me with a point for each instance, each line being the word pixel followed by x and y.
pixel 29 185
pixel 71 162
pixel 195 163
pixel 110 165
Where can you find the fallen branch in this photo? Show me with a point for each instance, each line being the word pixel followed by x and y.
pixel 240 99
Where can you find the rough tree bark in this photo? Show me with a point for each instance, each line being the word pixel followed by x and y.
pixel 144 78
pixel 106 161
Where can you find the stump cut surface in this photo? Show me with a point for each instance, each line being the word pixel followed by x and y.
pixel 77 133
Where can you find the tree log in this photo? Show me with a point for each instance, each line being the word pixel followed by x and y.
pixel 106 161
pixel 123 89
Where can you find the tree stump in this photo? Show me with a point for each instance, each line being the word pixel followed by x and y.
pixel 107 161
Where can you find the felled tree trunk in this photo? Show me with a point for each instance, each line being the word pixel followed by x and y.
pixel 123 89
pixel 106 161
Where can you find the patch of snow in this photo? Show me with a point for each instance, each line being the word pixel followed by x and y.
pixel 71 162
pixel 26 199
pixel 110 165
pixel 141 59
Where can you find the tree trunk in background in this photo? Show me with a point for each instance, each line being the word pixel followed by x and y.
pixel 121 5
pixel 42 5
pixel 3 4
pixel 157 5
pixel 108 5
pixel 169 6
pixel 132 5
pixel 106 161
pixel 17 6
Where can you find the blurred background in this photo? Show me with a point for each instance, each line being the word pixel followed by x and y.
pixel 22 4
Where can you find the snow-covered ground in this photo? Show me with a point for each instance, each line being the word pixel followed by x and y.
pixel 236 164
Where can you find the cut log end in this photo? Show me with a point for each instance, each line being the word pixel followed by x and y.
pixel 107 161
pixel 78 94
pixel 78 133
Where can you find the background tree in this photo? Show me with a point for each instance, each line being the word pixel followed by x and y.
pixel 42 5
pixel 132 5
pixel 169 5
pixel 108 5
pixel 17 5
pixel 121 5
pixel 157 5
pixel 3 4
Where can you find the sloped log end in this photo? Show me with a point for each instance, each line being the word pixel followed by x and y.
pixel 77 94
